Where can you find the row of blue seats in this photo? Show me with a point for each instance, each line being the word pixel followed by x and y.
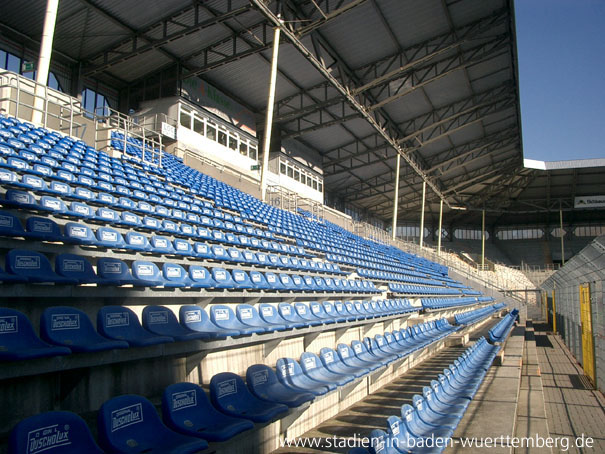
pixel 66 329
pixel 190 419
pixel 500 332
pixel 320 374
pixel 443 303
pixel 471 317
pixel 428 424
pixel 420 290
pixel 409 277
pixel 42 228
pixel 26 266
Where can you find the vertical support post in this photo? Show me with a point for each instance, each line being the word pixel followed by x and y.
pixel 269 117
pixel 46 48
pixel 483 240
pixel 396 199
pixel 440 226
pixel 562 234
pixel 422 213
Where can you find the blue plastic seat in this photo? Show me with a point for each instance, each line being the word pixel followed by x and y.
pixel 70 327
pixel 34 267
pixel 161 320
pixel 313 367
pixel 222 278
pixel 75 267
pixel 44 229
pixel 249 316
pixel 10 225
pixel 420 428
pixel 136 241
pixel 230 395
pixel 80 210
pixel 203 250
pixel 430 416
pixel 20 199
pixel 289 313
pixel 114 272
pixel 161 245
pixel 241 280
pixel 223 317
pixel 263 383
pixel 332 362
pixel 55 432
pixel 196 319
pixel 130 424
pixel 110 238
pixel 317 309
pixel 291 375
pixel 174 276
pixel 361 351
pixel 18 340
pixel 305 314
pixel 349 357
pixel 200 277
pixel 183 247
pixel 147 274
pixel 121 323
pixel 53 205
pixel 186 409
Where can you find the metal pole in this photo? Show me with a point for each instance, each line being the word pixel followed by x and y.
pixel 269 117
pixel 483 240
pixel 46 48
pixel 396 200
pixel 440 224
pixel 562 234
pixel 422 213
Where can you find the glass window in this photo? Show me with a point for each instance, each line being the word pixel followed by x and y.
pixel 243 148
pixel 310 181
pixel 290 172
pixel 13 63
pixel 253 152
pixel 314 184
pixel 320 186
pixel 297 174
pixel 232 142
pixel 222 137
pixel 185 119
pixel 210 130
pixel 282 167
pixel 198 125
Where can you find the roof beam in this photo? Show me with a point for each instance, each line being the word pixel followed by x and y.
pixel 264 9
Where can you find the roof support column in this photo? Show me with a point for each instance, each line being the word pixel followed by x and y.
pixel 483 240
pixel 562 234
pixel 396 199
pixel 269 117
pixel 46 49
pixel 422 213
pixel 440 224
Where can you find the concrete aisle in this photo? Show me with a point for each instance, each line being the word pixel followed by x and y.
pixel 572 408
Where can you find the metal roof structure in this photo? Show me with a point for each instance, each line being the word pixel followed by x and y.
pixel 359 81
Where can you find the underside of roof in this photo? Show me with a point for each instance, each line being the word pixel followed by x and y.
pixel 359 81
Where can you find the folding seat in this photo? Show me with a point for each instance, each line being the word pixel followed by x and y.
pixel 151 223
pixel 161 245
pixel 121 323
pixel 249 316
pixel 313 367
pixel 10 225
pixel 53 205
pixel 187 230
pixel 71 328
pixel 273 281
pixel 174 275
pixel 19 341
pixel 161 321
pixel 290 374
pixel 377 347
pixel 80 210
pixel 342 311
pixel 146 274
pixel 320 284
pixel 33 267
pixel 130 423
pixel 222 278
pixel 196 319
pixel 219 253
pixel 231 396
pixel 361 351
pixel 186 409
pixel 317 309
pixel 104 198
pixel 57 432
pixel 286 282
pixel 114 272
pixel 241 280
pixel 421 429
pixel 136 241
pixel 223 317
pixel 264 384
pixel 203 250
pixel 262 258
pixel 110 238
pixel 183 247
pixel 76 268
pixel 235 255
pixel 310 283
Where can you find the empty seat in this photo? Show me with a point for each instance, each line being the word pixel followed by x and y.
pixel 147 274
pixel 223 317
pixel 56 432
pixel 19 341
pixel 121 323
pixel 222 278
pixel 263 383
pixel 130 424
pixel 174 275
pixel 231 396
pixel 290 374
pixel 70 327
pixel 186 409
pixel 44 229
pixel 10 225
pixel 110 238
pixel 137 242
pixel 114 272
pixel 304 313
pixel 161 320
pixel 34 267
pixel 79 234
pixel 77 268
pixel 200 277
pixel 332 362
pixel 196 319
pixel 288 313
pixel 314 368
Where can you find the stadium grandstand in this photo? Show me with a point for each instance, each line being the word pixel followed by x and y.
pixel 290 226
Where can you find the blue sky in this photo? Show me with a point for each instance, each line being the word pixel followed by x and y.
pixel 561 46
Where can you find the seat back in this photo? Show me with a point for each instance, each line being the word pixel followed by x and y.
pixel 43 227
pixel 222 277
pixel 200 277
pixel 119 322
pixel 186 406
pixel 16 331
pixel 54 432
pixel 258 280
pixel 113 270
pixel 193 317
pixel 75 267
pixel 147 272
pixel 29 264
pixel 65 325
pixel 241 279
pixel 248 315
pixel 10 225
pixel 174 275
pixel 223 317
pixel 228 391
pixel 79 233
